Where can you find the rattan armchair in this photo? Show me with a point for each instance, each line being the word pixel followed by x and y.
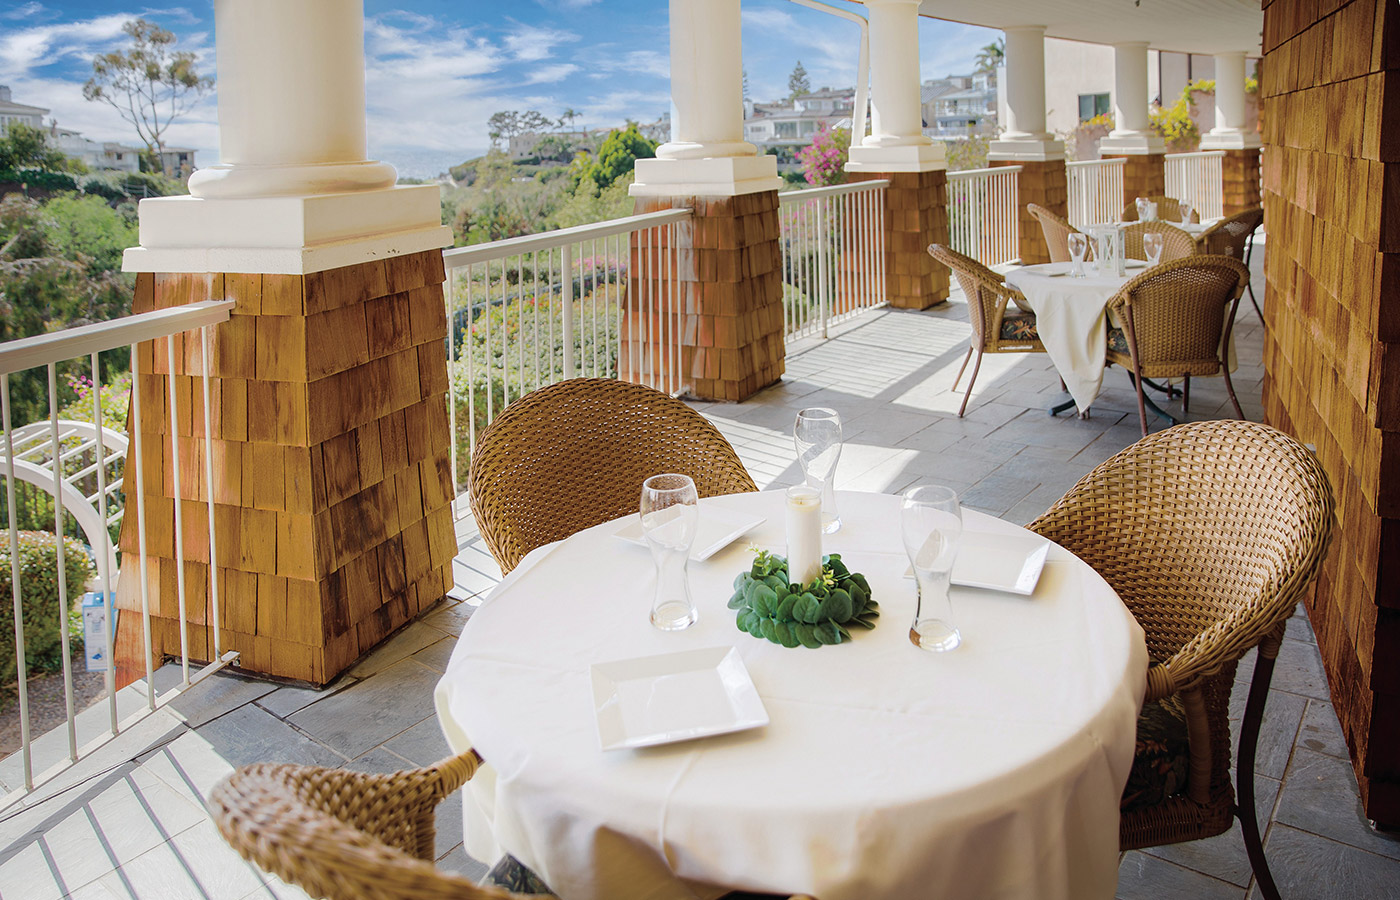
pixel 343 835
pixel 1210 533
pixel 1057 232
pixel 994 328
pixel 1234 236
pixel 1174 321
pixel 574 454
pixel 1176 244
pixel 1168 210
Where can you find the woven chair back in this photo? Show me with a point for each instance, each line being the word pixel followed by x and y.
pixel 1057 232
pixel 345 835
pixel 1176 243
pixel 1179 312
pixel 980 285
pixel 1208 531
pixel 1230 235
pixel 1168 210
pixel 574 454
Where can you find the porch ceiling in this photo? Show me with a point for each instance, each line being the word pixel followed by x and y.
pixel 1194 26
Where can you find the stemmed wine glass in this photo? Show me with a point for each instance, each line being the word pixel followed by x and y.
pixel 1152 247
pixel 670 518
pixel 931 524
pixel 817 435
pixel 1186 211
pixel 1078 249
pixel 1141 204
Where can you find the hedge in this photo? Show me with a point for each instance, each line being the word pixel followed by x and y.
pixel 38 567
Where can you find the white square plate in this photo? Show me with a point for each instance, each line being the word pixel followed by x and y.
pixel 999 562
pixel 718 529
pixel 654 700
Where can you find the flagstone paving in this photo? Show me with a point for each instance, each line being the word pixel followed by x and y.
pixel 129 822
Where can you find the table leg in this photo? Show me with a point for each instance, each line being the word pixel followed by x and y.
pixel 1154 407
pixel 1167 389
pixel 1061 407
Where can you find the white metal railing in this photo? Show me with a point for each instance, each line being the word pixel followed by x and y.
pixel 984 214
pixel 597 300
pixel 1198 179
pixel 833 254
pixel 88 343
pixel 1095 191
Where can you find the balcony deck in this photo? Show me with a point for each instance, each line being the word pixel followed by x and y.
pixel 129 821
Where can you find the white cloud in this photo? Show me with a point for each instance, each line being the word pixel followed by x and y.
pixel 528 43
pixel 551 73
pixel 24 11
pixel 636 62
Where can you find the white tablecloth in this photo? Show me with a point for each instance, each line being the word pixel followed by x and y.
pixel 1069 316
pixel 885 772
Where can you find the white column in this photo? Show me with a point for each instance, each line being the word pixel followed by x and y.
pixel 1230 131
pixel 1025 137
pixel 293 192
pixel 897 142
pixel 1132 132
pixel 707 153
pixel 291 101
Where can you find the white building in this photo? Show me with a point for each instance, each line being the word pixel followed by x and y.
pixel 10 111
pixel 960 105
pixel 108 156
pixel 790 124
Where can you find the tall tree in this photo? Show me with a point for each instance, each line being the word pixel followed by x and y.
pixel 507 124
pixel 150 85
pixel 746 84
pixel 567 117
pixel 991 56
pixel 797 82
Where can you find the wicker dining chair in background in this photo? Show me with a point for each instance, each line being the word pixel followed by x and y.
pixel 343 835
pixel 1210 532
pixel 1174 321
pixel 1234 236
pixel 1168 210
pixel 1176 243
pixel 574 454
pixel 1057 232
pixel 994 328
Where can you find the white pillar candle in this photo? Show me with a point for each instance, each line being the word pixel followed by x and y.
pixel 804 534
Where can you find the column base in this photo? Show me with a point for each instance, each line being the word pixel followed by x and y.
pixel 916 215
pixel 1230 140
pixel 719 176
pixel 1141 143
pixel 1045 184
pixel 1016 151
pixel 929 157
pixel 1239 176
pixel 287 235
pixel 1144 175
pixel 246 182
pixel 730 297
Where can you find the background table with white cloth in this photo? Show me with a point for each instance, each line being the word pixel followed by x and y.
pixel 885 771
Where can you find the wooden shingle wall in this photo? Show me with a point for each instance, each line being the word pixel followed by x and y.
pixel 1144 174
pixel 1043 183
pixel 730 291
pixel 916 215
pixel 1331 94
pixel 332 483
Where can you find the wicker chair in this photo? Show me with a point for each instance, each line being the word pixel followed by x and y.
pixel 1210 533
pixel 1234 236
pixel 1057 232
pixel 574 454
pixel 1176 244
pixel 1173 321
pixel 345 835
pixel 994 329
pixel 1168 210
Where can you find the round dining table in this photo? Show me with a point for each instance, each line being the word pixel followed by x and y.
pixel 883 771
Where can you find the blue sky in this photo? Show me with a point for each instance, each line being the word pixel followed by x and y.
pixel 437 69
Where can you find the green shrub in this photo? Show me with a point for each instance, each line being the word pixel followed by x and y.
pixel 49 181
pixel 38 568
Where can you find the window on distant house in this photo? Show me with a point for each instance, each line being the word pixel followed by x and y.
pixel 1091 105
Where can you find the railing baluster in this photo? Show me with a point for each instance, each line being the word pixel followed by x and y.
pixel 62 567
pixel 21 664
pixel 141 528
pixel 179 515
pixel 105 550
pixel 213 618
pixel 451 290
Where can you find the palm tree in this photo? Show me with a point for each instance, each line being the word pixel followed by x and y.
pixel 991 56
pixel 567 117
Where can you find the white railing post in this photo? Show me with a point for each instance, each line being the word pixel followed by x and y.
pixel 21 665
pixel 823 238
pixel 1198 179
pixel 1095 191
pixel 987 224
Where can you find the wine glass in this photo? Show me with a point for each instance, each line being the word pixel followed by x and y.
pixel 1078 249
pixel 1141 204
pixel 1152 247
pixel 931 524
pixel 1187 210
pixel 670 518
pixel 817 435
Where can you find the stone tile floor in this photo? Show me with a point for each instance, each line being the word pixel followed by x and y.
pixel 129 822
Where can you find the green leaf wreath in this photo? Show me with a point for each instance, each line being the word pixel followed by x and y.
pixel 810 615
